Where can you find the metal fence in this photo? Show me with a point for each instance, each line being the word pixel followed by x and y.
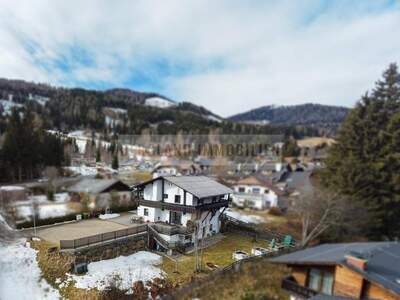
pixel 103 237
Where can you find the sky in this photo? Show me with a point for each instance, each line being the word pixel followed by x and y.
pixel 228 56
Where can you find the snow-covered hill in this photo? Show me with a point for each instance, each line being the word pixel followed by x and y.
pixel 159 102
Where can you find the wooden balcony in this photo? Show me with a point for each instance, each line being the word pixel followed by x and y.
pixel 184 208
pixel 291 286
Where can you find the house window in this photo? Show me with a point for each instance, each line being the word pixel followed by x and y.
pixel 320 281
pixel 165 196
pixel 214 199
pixel 175 217
pixel 145 211
pixel 242 190
pixel 266 191
pixel 177 199
pixel 314 279
pixel 327 283
pixel 256 190
pixel 211 228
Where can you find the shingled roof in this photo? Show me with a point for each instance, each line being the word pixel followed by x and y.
pixel 383 260
pixel 199 186
pixel 95 186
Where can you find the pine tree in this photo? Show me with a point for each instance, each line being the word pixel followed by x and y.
pixel 365 161
pixel 115 163
pixel 98 154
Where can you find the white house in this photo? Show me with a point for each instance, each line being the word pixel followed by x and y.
pixel 185 202
pixel 176 168
pixel 255 193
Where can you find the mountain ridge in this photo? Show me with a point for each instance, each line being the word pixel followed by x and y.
pixel 307 114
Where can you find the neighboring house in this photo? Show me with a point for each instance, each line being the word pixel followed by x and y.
pixel 368 270
pixel 12 193
pixel 176 168
pixel 184 201
pixel 100 192
pixel 256 193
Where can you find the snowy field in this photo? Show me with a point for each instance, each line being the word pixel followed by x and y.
pixel 83 170
pixel 20 275
pixel 128 269
pixel 45 210
pixel 245 218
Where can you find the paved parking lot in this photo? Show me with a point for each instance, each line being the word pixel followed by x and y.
pixel 77 230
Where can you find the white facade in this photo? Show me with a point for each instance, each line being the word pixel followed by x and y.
pixel 166 171
pixel 208 221
pixel 254 196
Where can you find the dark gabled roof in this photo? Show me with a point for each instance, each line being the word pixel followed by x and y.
pixel 95 186
pixel 199 186
pixel 383 260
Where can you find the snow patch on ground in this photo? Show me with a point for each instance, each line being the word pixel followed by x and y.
pixel 108 216
pixel 245 218
pixel 128 269
pixel 9 105
pixel 61 197
pixel 20 275
pixel 81 145
pixel 45 211
pixel 5 224
pixel 83 170
pixel 214 118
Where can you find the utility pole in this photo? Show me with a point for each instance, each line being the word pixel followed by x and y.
pixel 34 214
pixel 196 250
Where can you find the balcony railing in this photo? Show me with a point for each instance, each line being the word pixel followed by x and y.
pixel 183 208
pixel 289 284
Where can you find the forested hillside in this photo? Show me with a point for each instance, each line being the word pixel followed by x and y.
pixel 309 114
pixel 120 111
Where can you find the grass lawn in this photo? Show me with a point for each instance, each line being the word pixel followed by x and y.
pixel 219 254
pixel 55 266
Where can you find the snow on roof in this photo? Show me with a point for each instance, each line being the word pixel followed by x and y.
pixel 9 188
pixel 89 185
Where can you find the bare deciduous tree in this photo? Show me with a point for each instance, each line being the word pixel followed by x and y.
pixel 321 210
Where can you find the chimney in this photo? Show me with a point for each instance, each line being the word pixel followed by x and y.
pixel 357 261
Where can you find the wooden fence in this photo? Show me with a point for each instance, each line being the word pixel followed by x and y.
pixel 101 238
pixel 203 282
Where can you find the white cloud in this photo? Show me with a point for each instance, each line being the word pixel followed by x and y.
pixel 241 54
